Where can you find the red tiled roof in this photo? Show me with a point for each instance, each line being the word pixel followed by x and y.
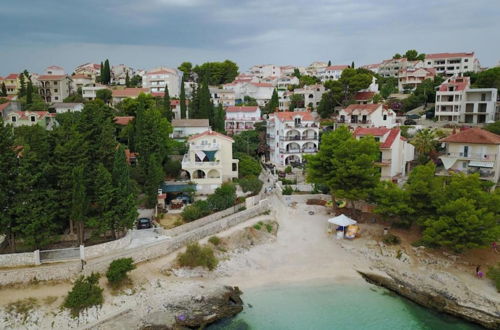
pixel 374 131
pixel 262 84
pixel 55 67
pixel 11 76
pixel 447 55
pixel 389 140
pixel 81 76
pixel 51 77
pixel 459 83
pixel 362 96
pixel 161 71
pixel 3 106
pixel 123 120
pixel 362 107
pixel 177 102
pixel 209 133
pixel 129 92
pixel 290 115
pixel 129 155
pixel 38 114
pixel 336 67
pixel 473 135
pixel 242 109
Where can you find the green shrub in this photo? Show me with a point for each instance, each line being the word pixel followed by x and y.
pixel 288 169
pixel 214 240
pixel 248 166
pixel 494 274
pixel 269 227
pixel 391 239
pixel 223 197
pixel 287 190
pixel 85 293
pixel 197 255
pixel 287 181
pixel 257 226
pixel 251 183
pixel 118 269
pixel 197 210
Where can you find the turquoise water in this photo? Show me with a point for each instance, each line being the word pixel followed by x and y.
pixel 327 306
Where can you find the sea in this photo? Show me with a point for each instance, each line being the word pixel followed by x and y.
pixel 334 306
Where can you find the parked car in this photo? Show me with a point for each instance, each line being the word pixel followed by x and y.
pixel 413 116
pixel 410 122
pixel 144 223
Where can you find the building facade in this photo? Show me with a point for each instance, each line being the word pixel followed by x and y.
pixel 410 78
pixel 312 94
pixel 367 115
pixel 184 128
pixel 155 81
pixel 452 64
pixel 332 72
pixel 55 88
pixel 31 118
pixel 241 118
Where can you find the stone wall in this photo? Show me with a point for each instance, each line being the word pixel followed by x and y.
pixel 17 259
pixel 104 248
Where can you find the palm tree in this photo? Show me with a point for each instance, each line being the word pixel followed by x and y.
pixel 425 142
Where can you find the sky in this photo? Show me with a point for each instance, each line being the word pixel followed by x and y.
pixel 145 34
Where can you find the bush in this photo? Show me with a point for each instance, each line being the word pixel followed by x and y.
pixel 248 166
pixel 288 169
pixel 287 190
pixel 85 293
pixel 287 181
pixel 118 269
pixel 269 227
pixel 257 226
pixel 197 210
pixel 494 274
pixel 251 183
pixel 214 240
pixel 223 197
pixel 197 256
pixel 172 168
pixel 391 239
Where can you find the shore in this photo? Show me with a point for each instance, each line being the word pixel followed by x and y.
pixel 302 251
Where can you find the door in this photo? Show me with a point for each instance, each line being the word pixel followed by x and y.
pixel 466 151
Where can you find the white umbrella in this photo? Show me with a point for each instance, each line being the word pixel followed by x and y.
pixel 342 220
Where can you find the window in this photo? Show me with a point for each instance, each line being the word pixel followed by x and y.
pixel 55 83
pixel 56 98
pixel 33 119
pixel 466 60
pixel 385 117
pixel 483 97
pixel 55 90
pixel 13 119
pixel 464 164
pixel 235 168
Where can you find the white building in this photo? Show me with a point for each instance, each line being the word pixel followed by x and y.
pixel 452 64
pixel 239 119
pixel 156 79
pixel 410 78
pixel 222 96
pixel 184 128
pixel 372 67
pixel 122 94
pixel 80 80
pixel 265 70
pixel 457 102
pixel 395 152
pixel 55 70
pixel 89 91
pixel 262 92
pixel 332 72
pixel 284 82
pixel 67 107
pixel 119 74
pixel 54 88
pixel 312 94
pixel 290 136
pixel 209 161
pixel 367 115
pixel 89 69
pixel 392 67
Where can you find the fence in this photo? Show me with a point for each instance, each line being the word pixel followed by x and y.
pixel 61 254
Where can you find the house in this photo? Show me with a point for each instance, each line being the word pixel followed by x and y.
pixel 89 92
pixel 119 74
pixel 312 94
pixel 284 82
pixel 175 105
pixel 290 136
pixel 89 69
pixel 396 153
pixel 222 96
pixel 473 150
pixel 332 72
pixel 410 78
pixel 54 88
pixel 392 67
pixel 155 81
pixel 261 92
pixel 80 80
pixel 364 97
pixel 457 102
pixel 315 68
pixel 265 70
pixel 241 118
pixel 452 64
pixel 11 83
pixel 372 67
pixel 55 70
pixel 184 128
pixel 119 95
pixel 31 118
pixel 209 161
pixel 67 107
pixel 367 115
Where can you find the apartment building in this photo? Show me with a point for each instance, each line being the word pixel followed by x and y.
pixel 265 70
pixel 184 128
pixel 54 88
pixel 290 136
pixel 55 70
pixel 393 66
pixel 209 161
pixel 396 153
pixel 80 80
pixel 89 91
pixel 11 83
pixel 473 150
pixel 241 118
pixel 122 94
pixel 332 72
pixel 312 94
pixel 452 64
pixel 367 115
pixel 410 78
pixel 155 81
pixel 457 102
pixel 222 96
pixel 284 82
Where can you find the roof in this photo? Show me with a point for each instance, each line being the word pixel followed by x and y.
pixel 361 96
pixel 38 114
pixel 460 84
pixel 11 76
pixel 447 55
pixel 3 106
pixel 190 123
pixel 374 131
pixel 362 107
pixel 473 135
pixel 389 140
pixel 65 104
pixel 55 67
pixel 262 85
pixel 129 92
pixel 290 115
pixel 161 71
pixel 242 109
pixel 336 67
pixel 51 77
pixel 209 133
pixel 81 76
pixel 123 120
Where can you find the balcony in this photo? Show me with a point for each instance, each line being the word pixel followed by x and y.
pixel 210 146
pixel 187 164
pixel 298 151
pixel 475 156
pixel 298 138
pixel 484 174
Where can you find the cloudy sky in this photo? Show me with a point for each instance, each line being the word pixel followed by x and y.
pixel 147 33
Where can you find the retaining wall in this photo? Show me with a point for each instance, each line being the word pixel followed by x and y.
pixel 17 259
pixel 104 248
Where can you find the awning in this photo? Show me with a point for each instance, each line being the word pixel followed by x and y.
pixel 448 162
pixel 481 164
pixel 201 155
pixel 210 155
pixel 342 220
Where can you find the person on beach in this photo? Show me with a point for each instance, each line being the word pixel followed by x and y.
pixel 479 273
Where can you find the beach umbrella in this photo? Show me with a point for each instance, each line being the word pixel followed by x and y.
pixel 342 220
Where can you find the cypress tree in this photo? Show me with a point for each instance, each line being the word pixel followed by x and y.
pixel 107 72
pixel 4 89
pixel 329 63
pixel 101 73
pixel 79 202
pixel 183 100
pixel 206 110
pixel 154 177
pixel 273 103
pixel 352 65
pixel 22 85
pixel 194 105
pixel 104 192
pixel 219 119
pixel 29 93
pixel 167 111
pixel 127 80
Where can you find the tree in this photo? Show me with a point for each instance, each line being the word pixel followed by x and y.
pixel 22 85
pixel 329 63
pixel 397 56
pixel 136 81
pixel 273 104
pixel 186 68
pixel 249 101
pixel 387 86
pixel 29 93
pixel 101 73
pixel 127 80
pixel 345 164
pixel 296 73
pixel 488 79
pixel 413 55
pixel 326 107
pixel 104 200
pixel 79 202
pixel 85 293
pixel 423 187
pixel 4 89
pixel 247 166
pixel 393 203
pixel 493 127
pixel 246 142
pixel 296 101
pixel 167 111
pixel 218 123
pixel 351 81
pixel 250 183
pixel 217 73
pixel 352 65
pixel 425 142
pixel 194 104
pixel 104 94
pixel 223 197
pixel 308 80
pixel 107 73
pixel 153 178
pixel 206 107
pixel 182 100
pixel 118 269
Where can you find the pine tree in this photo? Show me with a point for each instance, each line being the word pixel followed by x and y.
pixel 4 89
pixel 79 202
pixel 29 93
pixel 219 119
pixel 352 65
pixel 329 63
pixel 167 111
pixel 22 85
pixel 182 100
pixel 127 80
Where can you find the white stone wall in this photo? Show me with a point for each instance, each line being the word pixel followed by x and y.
pixel 17 259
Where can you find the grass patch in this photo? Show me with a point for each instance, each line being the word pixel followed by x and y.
pixel 214 240
pixel 22 308
pixel 198 256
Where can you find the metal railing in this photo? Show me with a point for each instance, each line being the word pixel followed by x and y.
pixel 477 156
pixel 59 254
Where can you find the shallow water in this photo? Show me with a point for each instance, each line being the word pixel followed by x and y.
pixel 334 306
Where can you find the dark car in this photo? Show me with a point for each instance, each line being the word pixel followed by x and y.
pixel 410 122
pixel 413 116
pixel 144 223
